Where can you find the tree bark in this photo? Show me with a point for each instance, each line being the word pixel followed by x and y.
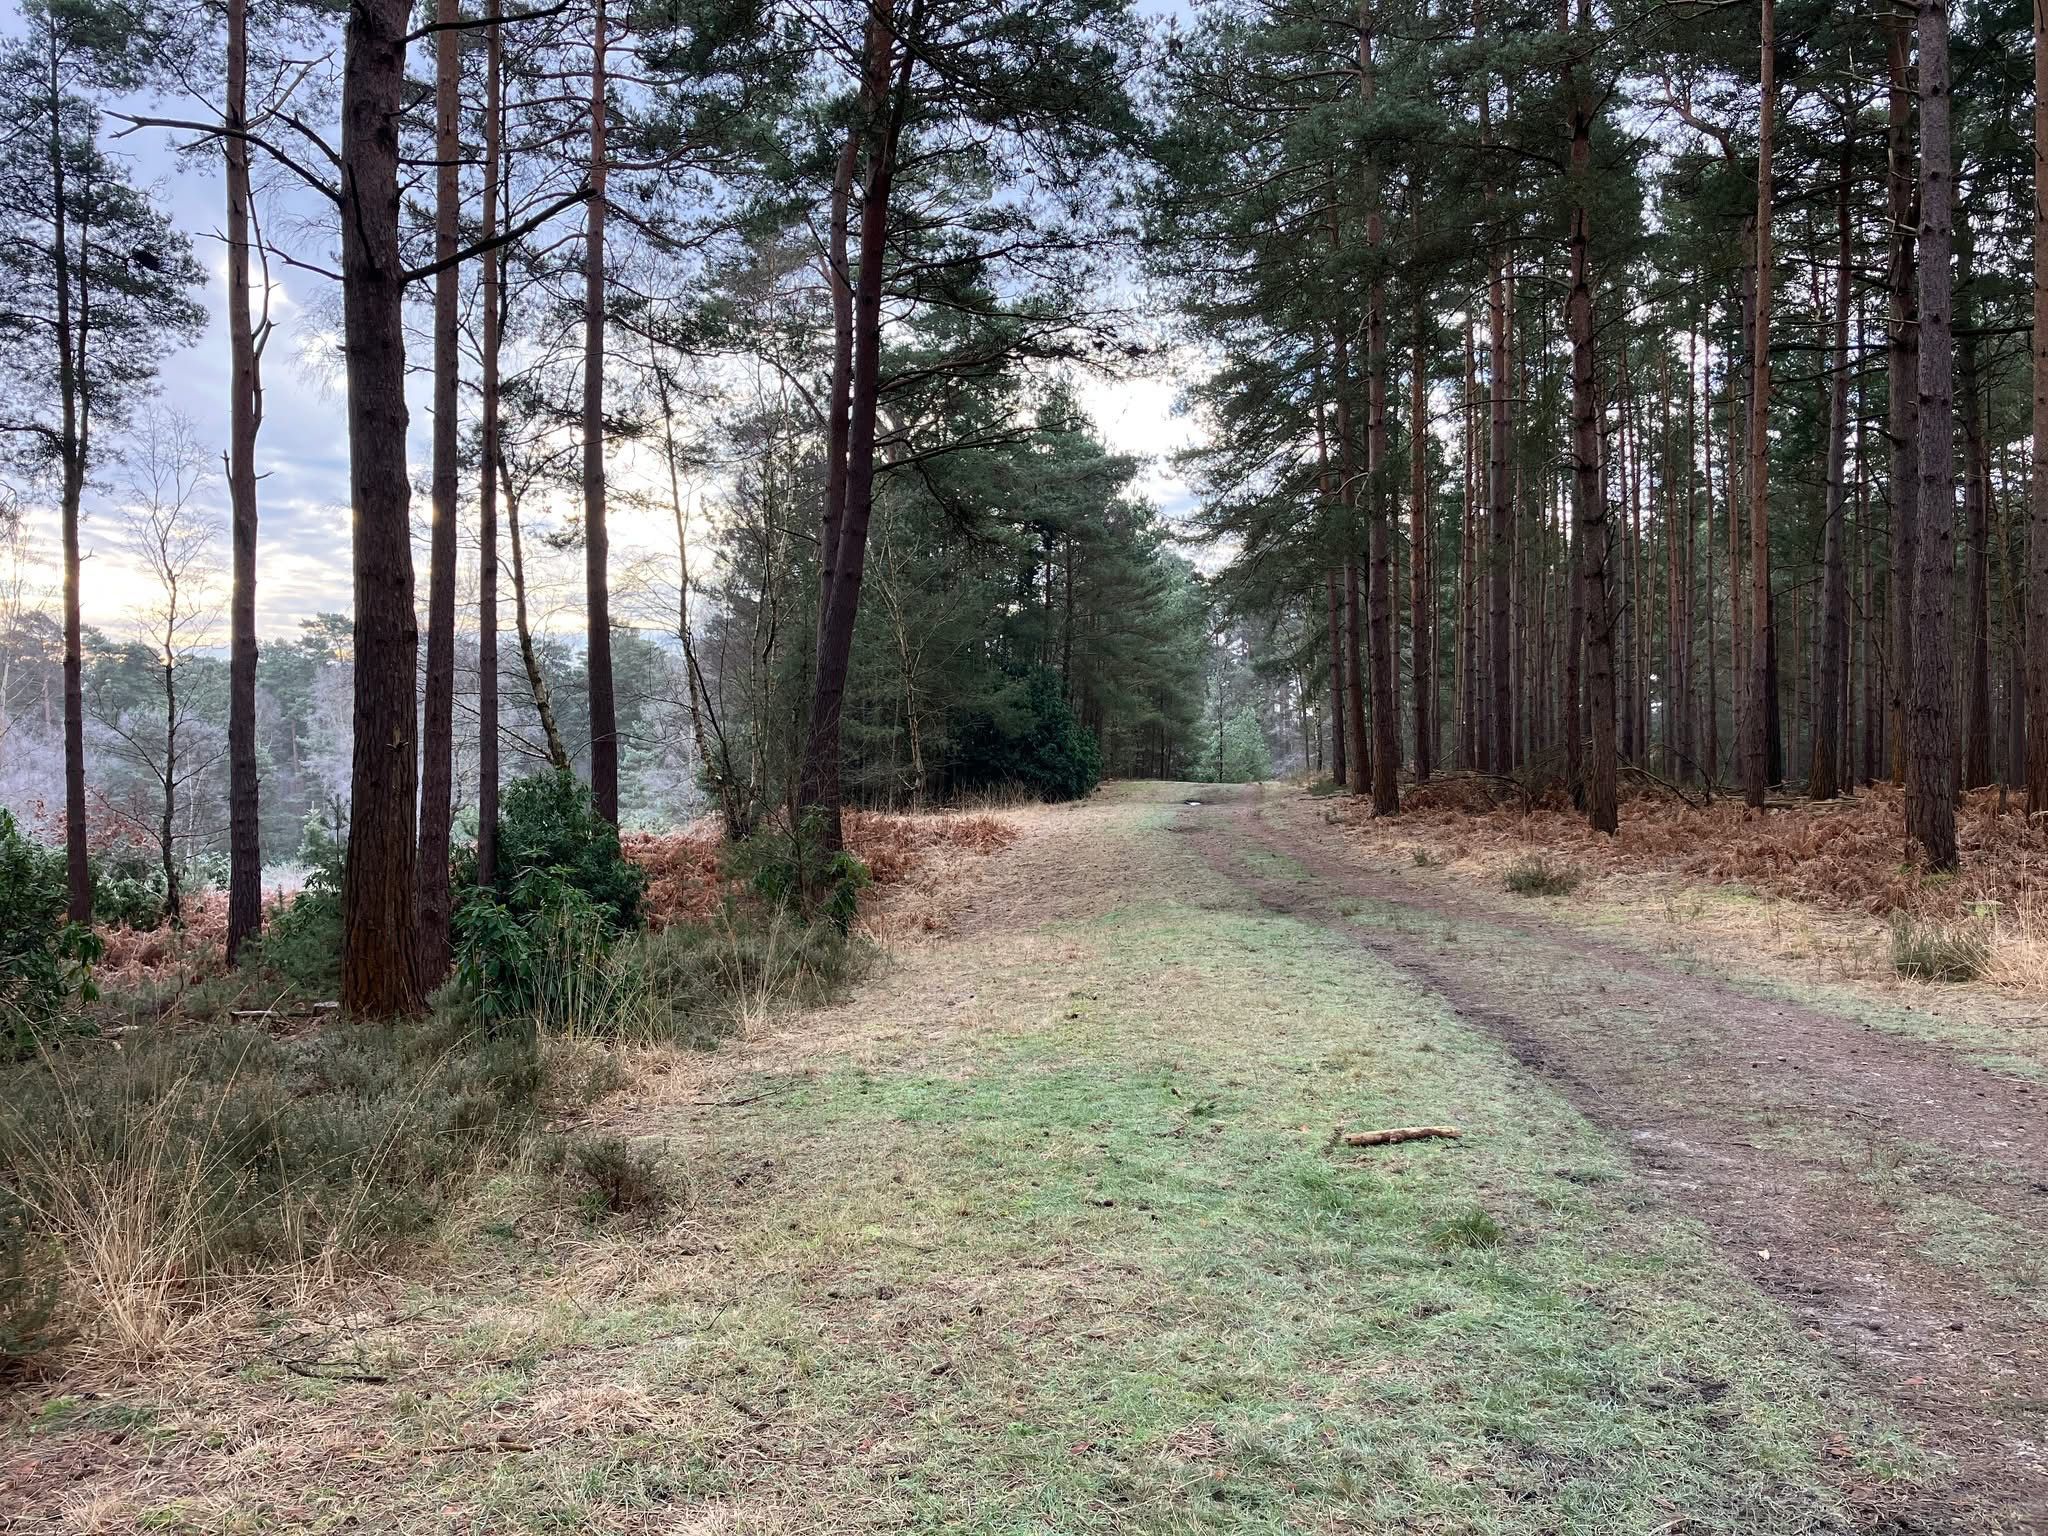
pixel 1359 751
pixel 1822 779
pixel 604 728
pixel 1755 741
pixel 437 725
pixel 380 969
pixel 1499 519
pixel 1930 710
pixel 75 428
pixel 1340 747
pixel 1423 675
pixel 1902 370
pixel 1588 492
pixel 1386 712
pixel 167 827
pixel 529 653
pixel 885 96
pixel 2037 509
pixel 1977 495
pixel 245 418
pixel 1711 712
pixel 489 452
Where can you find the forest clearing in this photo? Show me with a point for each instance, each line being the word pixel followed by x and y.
pixel 1043 1228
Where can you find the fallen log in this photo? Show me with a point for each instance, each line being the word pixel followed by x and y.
pixel 1399 1133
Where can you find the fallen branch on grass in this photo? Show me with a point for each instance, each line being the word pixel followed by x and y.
pixel 1399 1133
pixel 1651 780
pixel 311 1370
pixel 311 1010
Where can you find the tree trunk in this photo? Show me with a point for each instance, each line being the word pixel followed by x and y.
pixel 1977 496
pixel 1902 370
pixel 1822 782
pixel 2037 508
pixel 1930 710
pixel 489 452
pixel 1588 492
pixel 883 106
pixel 167 828
pixel 1336 678
pixel 1499 518
pixel 1712 710
pixel 1976 765
pixel 245 417
pixel 1627 575
pixel 1359 754
pixel 380 970
pixel 437 724
pixel 73 446
pixel 1755 740
pixel 1469 755
pixel 604 727
pixel 1423 676
pixel 1386 712
pixel 529 654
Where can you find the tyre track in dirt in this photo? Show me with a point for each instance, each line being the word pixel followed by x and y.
pixel 1770 1122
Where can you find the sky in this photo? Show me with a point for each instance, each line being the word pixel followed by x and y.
pixel 302 454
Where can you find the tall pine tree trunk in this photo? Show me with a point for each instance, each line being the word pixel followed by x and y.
pixel 2037 508
pixel 380 969
pixel 604 726
pixel 1902 371
pixel 1386 711
pixel 489 450
pixel 1930 707
pixel 245 417
pixel 529 653
pixel 1499 707
pixel 1822 781
pixel 1977 496
pixel 885 97
pixel 1755 736
pixel 74 442
pixel 1340 746
pixel 1589 493
pixel 1423 675
pixel 437 723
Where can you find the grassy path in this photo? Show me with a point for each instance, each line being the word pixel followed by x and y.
pixel 1043 1232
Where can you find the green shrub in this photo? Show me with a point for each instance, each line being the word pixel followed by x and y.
pixel 1028 736
pixel 128 890
pixel 302 939
pixel 1936 952
pixel 535 944
pixel 1535 875
pixel 548 825
pixel 540 956
pixel 788 866
pixel 618 1176
pixel 45 961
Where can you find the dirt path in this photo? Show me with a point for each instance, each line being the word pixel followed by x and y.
pixel 1890 1195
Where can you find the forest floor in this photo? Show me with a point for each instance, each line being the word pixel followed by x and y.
pixel 1045 1230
